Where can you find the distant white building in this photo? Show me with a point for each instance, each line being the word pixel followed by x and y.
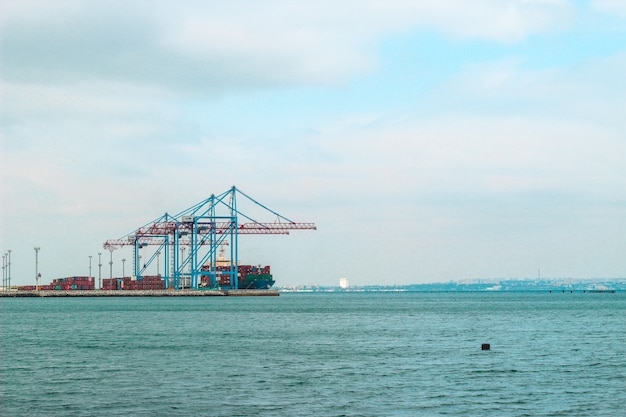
pixel 343 283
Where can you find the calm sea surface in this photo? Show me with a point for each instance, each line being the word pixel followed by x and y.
pixel 342 354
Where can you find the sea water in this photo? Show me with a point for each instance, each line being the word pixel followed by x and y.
pixel 320 354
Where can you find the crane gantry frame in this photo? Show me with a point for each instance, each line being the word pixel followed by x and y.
pixel 203 228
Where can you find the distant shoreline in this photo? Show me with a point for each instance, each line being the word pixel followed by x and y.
pixel 600 285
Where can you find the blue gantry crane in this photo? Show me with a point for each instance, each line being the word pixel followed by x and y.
pixel 191 239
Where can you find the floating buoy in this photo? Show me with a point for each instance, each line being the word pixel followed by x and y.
pixel 485 346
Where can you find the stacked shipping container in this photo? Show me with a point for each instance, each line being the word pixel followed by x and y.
pixel 64 284
pixel 73 283
pixel 33 287
pixel 148 282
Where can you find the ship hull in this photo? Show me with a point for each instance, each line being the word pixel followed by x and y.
pixel 261 284
pixel 256 282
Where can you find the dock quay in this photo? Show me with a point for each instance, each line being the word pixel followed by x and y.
pixel 139 293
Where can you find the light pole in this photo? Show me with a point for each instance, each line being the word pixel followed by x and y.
pixel 123 263
pixel 100 270
pixel 37 248
pixel 9 273
pixel 111 265
pixel 4 275
pixel 90 267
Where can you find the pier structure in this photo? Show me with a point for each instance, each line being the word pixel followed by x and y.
pixel 139 293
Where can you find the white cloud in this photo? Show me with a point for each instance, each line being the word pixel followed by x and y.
pixel 80 101
pixel 213 47
pixel 483 156
pixel 561 148
pixel 617 7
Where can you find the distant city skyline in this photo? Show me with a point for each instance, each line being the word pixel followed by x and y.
pixel 490 285
pixel 429 141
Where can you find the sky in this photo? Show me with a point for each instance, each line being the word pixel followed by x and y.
pixel 429 141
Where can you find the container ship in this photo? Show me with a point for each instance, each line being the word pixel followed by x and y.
pixel 249 277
